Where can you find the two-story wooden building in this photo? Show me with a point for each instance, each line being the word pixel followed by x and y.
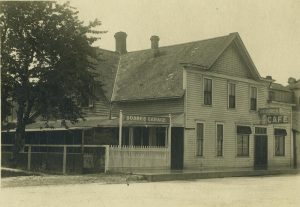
pixel 223 114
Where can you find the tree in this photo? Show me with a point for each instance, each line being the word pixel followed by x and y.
pixel 47 60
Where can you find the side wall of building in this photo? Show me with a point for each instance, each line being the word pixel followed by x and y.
pixel 151 107
pixel 196 111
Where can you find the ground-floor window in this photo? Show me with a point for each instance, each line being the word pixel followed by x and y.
pixel 144 136
pixel 219 139
pixel 243 133
pixel 199 139
pixel 280 142
pixel 243 145
pixel 279 145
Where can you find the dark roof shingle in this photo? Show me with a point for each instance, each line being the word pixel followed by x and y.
pixel 142 75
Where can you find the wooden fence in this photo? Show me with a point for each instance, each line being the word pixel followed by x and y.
pixel 74 158
pixel 136 158
pixel 59 158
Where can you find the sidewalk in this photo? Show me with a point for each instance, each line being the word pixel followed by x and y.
pixel 168 175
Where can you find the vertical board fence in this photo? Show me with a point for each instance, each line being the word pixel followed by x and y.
pixel 59 158
pixel 135 158
pixel 89 158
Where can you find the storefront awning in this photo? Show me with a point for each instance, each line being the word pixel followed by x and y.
pixel 243 130
pixel 280 132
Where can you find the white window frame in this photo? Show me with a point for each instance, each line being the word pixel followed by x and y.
pixel 274 143
pixel 196 145
pixel 228 92
pixel 212 91
pixel 236 141
pixel 219 123
pixel 249 98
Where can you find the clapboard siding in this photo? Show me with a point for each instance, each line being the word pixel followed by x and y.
pixel 231 63
pixel 100 105
pixel 168 106
pixel 195 111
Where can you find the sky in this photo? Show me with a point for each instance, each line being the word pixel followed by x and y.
pixel 269 29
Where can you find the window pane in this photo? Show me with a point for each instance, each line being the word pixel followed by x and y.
pixel 199 130
pixel 231 95
pixel 199 139
pixel 231 101
pixel 207 84
pixel 219 140
pixel 253 92
pixel 207 91
pixel 253 104
pixel 279 145
pixel 242 145
pixel 260 130
pixel 231 89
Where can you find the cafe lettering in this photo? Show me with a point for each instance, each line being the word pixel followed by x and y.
pixel 277 119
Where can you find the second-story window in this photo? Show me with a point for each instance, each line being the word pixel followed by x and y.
pixel 207 91
pixel 253 98
pixel 86 99
pixel 231 95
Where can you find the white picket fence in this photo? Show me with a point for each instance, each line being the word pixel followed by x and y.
pixel 136 158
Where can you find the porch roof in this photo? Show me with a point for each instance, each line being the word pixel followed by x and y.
pixel 177 121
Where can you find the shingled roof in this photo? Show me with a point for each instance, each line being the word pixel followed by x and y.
pixel 143 75
pixel 106 70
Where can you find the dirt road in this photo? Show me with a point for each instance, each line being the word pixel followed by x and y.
pixel 252 191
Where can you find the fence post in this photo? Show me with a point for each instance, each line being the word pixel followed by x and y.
pixel 106 158
pixel 170 140
pixel 29 158
pixel 64 159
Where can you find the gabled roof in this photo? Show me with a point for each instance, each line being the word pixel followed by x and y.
pixel 106 70
pixel 143 75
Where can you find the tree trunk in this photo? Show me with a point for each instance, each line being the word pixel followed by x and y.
pixel 19 141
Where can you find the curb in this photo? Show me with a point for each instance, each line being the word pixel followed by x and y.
pixel 207 175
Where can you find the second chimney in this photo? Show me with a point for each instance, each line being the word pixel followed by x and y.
pixel 121 42
pixel 154 45
pixel 154 42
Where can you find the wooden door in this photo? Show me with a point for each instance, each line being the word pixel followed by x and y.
pixel 177 149
pixel 261 151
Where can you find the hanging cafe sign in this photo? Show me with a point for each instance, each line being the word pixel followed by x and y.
pixel 277 119
pixel 147 119
pixel 273 115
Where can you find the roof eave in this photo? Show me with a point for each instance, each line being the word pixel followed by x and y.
pixel 149 99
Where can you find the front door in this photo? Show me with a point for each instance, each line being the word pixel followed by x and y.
pixel 177 148
pixel 261 151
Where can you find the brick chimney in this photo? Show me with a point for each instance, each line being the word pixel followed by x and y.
pixel 121 42
pixel 154 42
pixel 154 45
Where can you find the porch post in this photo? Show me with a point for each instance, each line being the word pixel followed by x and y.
pixel 64 159
pixel 106 158
pixel 29 157
pixel 170 138
pixel 120 128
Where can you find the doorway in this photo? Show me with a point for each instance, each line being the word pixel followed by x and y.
pixel 260 151
pixel 177 148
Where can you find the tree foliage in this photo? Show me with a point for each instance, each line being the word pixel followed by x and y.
pixel 47 60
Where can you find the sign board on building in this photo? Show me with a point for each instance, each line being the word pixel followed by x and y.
pixel 269 111
pixel 147 119
pixel 277 119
